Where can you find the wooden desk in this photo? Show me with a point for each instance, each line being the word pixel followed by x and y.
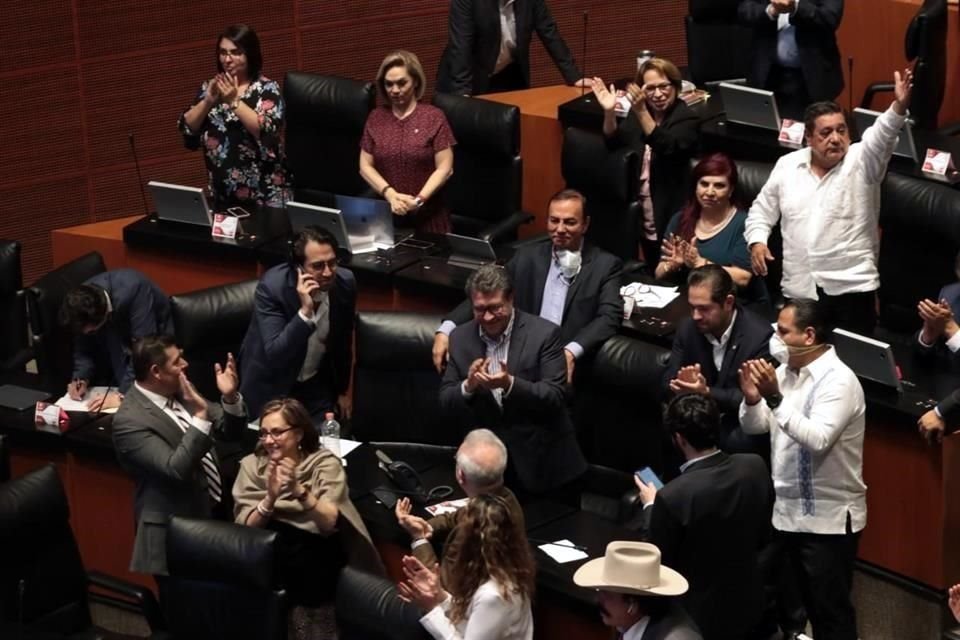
pixel 541 141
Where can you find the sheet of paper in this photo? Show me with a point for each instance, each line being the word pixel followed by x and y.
pixel 563 551
pixel 447 506
pixel 68 404
pixel 650 296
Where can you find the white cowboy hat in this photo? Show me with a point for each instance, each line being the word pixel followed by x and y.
pixel 631 567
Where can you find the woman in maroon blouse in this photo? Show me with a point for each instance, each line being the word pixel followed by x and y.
pixel 406 154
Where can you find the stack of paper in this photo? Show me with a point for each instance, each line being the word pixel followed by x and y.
pixel 69 404
pixel 650 295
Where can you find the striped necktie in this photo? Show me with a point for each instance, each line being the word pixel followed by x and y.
pixel 210 469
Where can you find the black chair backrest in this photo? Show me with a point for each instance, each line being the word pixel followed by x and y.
pixel 487 181
pixel 919 240
pixel 53 344
pixel 394 380
pixel 608 179
pixel 718 48
pixel 617 408
pixel 42 580
pixel 324 123
pixel 222 582
pixel 925 42
pixel 368 609
pixel 752 176
pixel 14 344
pixel 208 324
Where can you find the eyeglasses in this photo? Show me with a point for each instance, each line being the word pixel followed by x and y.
pixel 495 309
pixel 637 289
pixel 230 53
pixel 264 435
pixel 322 265
pixel 663 87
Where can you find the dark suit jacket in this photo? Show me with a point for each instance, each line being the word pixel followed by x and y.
pixel 673 624
pixel 950 293
pixel 473 44
pixel 165 465
pixel 140 309
pixel 674 142
pixel 534 423
pixel 445 528
pixel 276 342
pixel 749 339
pixel 710 523
pixel 593 309
pixel 816 23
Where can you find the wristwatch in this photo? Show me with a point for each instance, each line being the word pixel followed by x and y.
pixel 418 201
pixel 773 400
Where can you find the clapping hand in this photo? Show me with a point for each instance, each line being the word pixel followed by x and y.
pixel 474 374
pixel 421 585
pixel 935 316
pixel 749 388
pixel 227 379
pixel 673 251
pixel 783 6
pixel 606 98
pixel 212 96
pixel 417 527
pixel 228 87
pixel 192 399
pixel 691 255
pixel 690 380
pixel 280 477
pixel 636 96
pixel 499 380
pixel 954 601
pixel 764 377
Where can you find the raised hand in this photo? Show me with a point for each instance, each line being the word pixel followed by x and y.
pixel 417 527
pixel 902 90
pixel 691 255
pixel 690 380
pixel 212 95
pixel 228 381
pixel 764 376
pixel 228 87
pixel 606 98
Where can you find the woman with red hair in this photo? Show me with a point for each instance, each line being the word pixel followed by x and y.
pixel 709 229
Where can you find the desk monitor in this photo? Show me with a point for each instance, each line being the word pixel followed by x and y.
pixel 176 203
pixel 749 106
pixel 468 252
pixel 369 220
pixel 906 147
pixel 868 358
pixel 303 215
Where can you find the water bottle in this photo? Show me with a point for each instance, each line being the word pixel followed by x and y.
pixel 330 430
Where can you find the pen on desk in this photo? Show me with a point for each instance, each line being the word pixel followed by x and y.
pixel 558 543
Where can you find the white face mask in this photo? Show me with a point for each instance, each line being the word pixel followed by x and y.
pixel 779 349
pixel 570 262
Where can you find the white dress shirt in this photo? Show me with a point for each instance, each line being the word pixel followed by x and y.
pixel 816 447
pixel 317 343
pixel 508 36
pixel 636 631
pixel 829 224
pixel 489 617
pixel 720 346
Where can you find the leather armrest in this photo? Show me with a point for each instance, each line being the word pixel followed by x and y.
pixel 505 228
pixel 950 130
pixel 873 89
pixel 127 595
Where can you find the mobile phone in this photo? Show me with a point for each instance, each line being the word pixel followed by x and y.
pixel 238 212
pixel 649 477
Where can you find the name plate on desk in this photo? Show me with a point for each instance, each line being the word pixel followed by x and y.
pixel 224 226
pixel 939 166
pixel 791 133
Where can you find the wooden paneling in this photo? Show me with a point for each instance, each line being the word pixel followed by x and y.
pixel 83 74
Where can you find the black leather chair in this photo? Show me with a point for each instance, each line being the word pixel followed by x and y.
pixel 617 409
pixel 718 47
pixel 924 44
pixel 53 344
pixel 919 240
pixel 608 179
pixel 324 123
pixel 14 333
pixel 222 582
pixel 395 385
pixel 43 585
pixel 208 324
pixel 368 609
pixel 752 176
pixel 486 189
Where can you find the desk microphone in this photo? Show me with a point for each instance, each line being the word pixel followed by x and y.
pixel 586 22
pixel 136 163
pixel 850 80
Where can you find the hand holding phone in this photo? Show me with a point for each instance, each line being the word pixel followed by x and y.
pixel 649 477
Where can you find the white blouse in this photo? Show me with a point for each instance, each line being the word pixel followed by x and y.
pixel 489 617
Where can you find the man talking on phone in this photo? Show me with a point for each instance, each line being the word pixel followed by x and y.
pixel 300 339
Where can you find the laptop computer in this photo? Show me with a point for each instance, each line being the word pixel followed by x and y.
pixel 749 106
pixel 177 203
pixel 371 217
pixel 332 221
pixel 906 147
pixel 470 253
pixel 868 358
